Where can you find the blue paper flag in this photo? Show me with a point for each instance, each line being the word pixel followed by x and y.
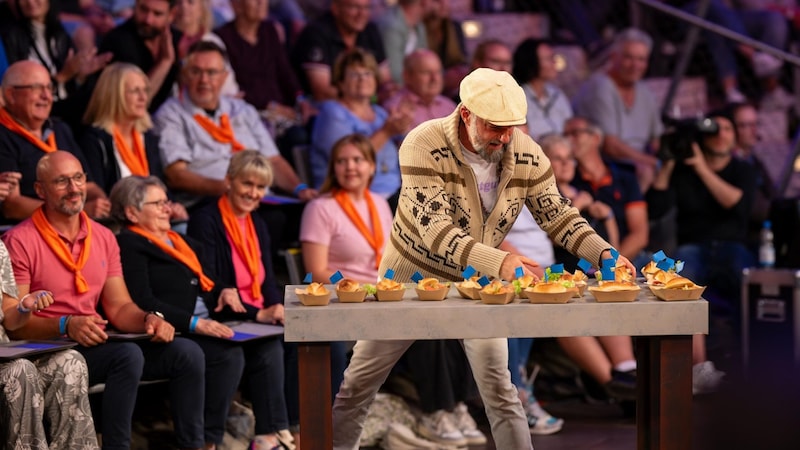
pixel 468 272
pixel 664 264
pixel 608 263
pixel 389 275
pixel 614 253
pixel 483 281
pixel 671 262
pixel 518 272
pixel 607 272
pixel 584 265
pixel 557 268
pixel 678 266
pixel 416 277
pixel 659 256
pixel 336 277
pixel 308 278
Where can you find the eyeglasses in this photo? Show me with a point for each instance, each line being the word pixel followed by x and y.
pixel 79 179
pixel 137 91
pixel 160 204
pixel 35 88
pixel 576 132
pixel 196 72
pixel 359 74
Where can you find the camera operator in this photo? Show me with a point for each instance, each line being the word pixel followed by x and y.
pixel 713 194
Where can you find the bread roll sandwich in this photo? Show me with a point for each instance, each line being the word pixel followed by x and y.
pixel 679 282
pixel 430 284
pixel 348 285
pixel 315 294
pixel 549 288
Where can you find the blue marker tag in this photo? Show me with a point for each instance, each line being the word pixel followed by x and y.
pixel 389 275
pixel 607 272
pixel 678 266
pixel 308 278
pixel 483 281
pixel 584 265
pixel 336 277
pixel 610 263
pixel 671 262
pixel 468 272
pixel 416 277
pixel 664 265
pixel 614 253
pixel 659 256
pixel 557 268
pixel 518 272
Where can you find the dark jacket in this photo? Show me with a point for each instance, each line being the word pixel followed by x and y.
pixel 159 282
pixel 98 147
pixel 205 225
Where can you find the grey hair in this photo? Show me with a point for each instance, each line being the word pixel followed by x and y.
pixel 550 140
pixel 130 191
pixel 632 35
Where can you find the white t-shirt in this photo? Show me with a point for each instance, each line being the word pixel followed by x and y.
pixel 486 176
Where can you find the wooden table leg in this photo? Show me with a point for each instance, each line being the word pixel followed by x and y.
pixel 664 393
pixel 316 423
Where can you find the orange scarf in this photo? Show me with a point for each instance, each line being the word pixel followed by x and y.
pixel 179 250
pixel 60 248
pixel 7 121
pixel 374 239
pixel 135 159
pixel 247 245
pixel 221 133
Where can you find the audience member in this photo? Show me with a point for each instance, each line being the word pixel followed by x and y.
pixel 39 35
pixel 195 20
pixel 492 54
pixel 535 70
pixel 42 251
pixel 356 75
pixel 446 223
pixel 239 245
pixel 118 141
pixel 290 15
pixel 263 70
pixel 27 133
pixel 610 186
pixel 200 131
pixel 164 272
pixel 51 389
pixel 623 107
pixel 528 239
pixel 346 26
pixel 713 192
pixel 422 88
pixel 403 32
pixel 148 41
pixel 446 39
pixel 746 122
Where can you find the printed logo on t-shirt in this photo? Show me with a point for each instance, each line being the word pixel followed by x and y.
pixel 487 186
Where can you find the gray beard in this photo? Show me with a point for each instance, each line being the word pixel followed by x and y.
pixel 493 158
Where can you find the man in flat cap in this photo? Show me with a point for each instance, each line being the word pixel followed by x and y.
pixel 465 178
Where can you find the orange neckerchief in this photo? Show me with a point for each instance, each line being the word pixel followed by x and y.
pixel 247 245
pixel 7 121
pixel 135 159
pixel 59 247
pixel 374 239
pixel 221 133
pixel 179 250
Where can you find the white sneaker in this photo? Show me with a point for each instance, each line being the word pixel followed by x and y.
pixel 400 437
pixel 439 427
pixel 466 424
pixel 734 95
pixel 765 65
pixel 705 378
pixel 540 421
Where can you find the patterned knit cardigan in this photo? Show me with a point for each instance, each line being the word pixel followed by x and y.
pixel 439 227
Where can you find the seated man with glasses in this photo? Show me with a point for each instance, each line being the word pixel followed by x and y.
pixel 60 249
pixel 27 132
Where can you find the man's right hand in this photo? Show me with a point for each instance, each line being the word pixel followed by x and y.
pixel 86 331
pixel 512 261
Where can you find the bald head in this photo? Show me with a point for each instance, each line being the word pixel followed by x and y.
pixel 51 162
pixel 422 74
pixel 22 71
pixel 28 94
pixel 61 183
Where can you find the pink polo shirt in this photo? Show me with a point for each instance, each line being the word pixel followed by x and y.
pixel 37 265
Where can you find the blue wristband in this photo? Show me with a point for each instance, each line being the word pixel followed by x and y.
pixel 300 187
pixel 193 323
pixel 62 325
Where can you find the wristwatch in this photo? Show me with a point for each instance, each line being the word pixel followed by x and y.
pixel 155 313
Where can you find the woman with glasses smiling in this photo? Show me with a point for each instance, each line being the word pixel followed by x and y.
pixel 118 141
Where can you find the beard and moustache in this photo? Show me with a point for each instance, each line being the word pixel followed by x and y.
pixel 480 145
pixel 64 207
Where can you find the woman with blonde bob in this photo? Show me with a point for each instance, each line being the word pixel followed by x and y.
pixel 118 141
pixel 239 252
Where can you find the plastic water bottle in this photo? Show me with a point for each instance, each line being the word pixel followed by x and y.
pixel 766 251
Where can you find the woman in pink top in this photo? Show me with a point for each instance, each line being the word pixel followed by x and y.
pixel 346 228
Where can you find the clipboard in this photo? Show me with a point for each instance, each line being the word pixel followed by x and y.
pixel 248 331
pixel 21 349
